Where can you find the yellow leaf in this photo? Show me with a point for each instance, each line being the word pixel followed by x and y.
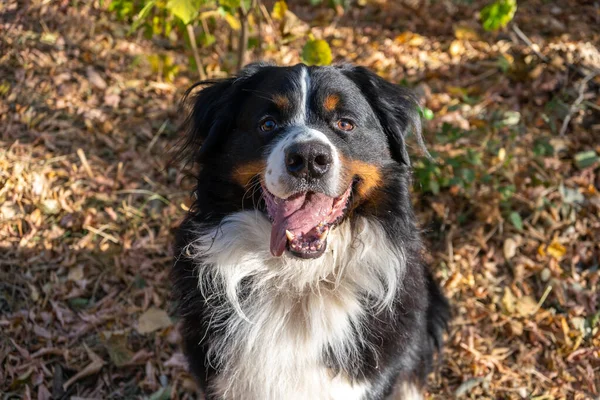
pixel 416 40
pixel 208 14
pixel 233 22
pixel 456 48
pixel 279 9
pixel 502 154
pixel 508 301
pixel 403 37
pixel 542 250
pixel 465 33
pixel 316 52
pixel 556 250
pixel 456 91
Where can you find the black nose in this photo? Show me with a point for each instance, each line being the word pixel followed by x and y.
pixel 308 159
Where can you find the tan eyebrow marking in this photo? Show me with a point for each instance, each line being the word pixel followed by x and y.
pixel 331 102
pixel 281 101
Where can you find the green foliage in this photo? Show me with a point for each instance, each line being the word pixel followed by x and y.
pixel 123 8
pixel 331 3
pixel 316 52
pixel 185 10
pixel 426 113
pixel 516 220
pixel 496 15
pixel 463 171
pixel 586 159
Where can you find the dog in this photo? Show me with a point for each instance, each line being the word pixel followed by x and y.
pixel 299 269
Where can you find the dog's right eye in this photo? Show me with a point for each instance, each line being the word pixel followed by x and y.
pixel 268 124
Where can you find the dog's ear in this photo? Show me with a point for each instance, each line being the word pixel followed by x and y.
pixel 211 113
pixel 396 108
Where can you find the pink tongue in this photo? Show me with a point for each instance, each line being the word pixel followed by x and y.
pixel 297 214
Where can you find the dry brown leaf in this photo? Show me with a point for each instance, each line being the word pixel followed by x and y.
pixel 509 249
pixel 92 368
pixel 152 320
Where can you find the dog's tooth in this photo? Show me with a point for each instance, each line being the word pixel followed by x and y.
pixel 323 235
pixel 289 235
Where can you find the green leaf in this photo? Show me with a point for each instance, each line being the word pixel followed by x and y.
pixel 316 52
pixel 434 187
pixel 426 113
pixel 207 39
pixel 161 394
pixel 516 220
pixel 185 10
pixel 498 14
pixel 586 159
pixel 142 15
pixel 231 4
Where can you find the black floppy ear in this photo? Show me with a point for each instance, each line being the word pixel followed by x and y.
pixel 211 113
pixel 207 122
pixel 396 108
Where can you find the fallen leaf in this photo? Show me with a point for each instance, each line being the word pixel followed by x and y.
pixel 526 306
pixel 508 301
pixel 116 345
pixel 586 159
pixel 76 273
pixel 95 79
pixel 50 206
pixel 93 367
pixel 465 33
pixel 509 248
pixel 556 250
pixel 152 320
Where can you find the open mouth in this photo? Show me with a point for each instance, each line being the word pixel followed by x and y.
pixel 302 222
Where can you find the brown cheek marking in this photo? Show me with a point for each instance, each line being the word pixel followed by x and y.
pixel 242 174
pixel 369 174
pixel 281 101
pixel 331 102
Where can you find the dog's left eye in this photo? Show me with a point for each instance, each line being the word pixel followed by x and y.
pixel 345 125
pixel 268 124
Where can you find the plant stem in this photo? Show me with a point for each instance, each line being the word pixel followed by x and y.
pixel 243 42
pixel 192 37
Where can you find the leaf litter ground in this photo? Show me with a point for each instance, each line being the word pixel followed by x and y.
pixel 511 210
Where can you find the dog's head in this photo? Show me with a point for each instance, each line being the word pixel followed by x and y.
pixel 305 145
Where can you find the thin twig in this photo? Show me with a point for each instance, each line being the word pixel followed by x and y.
pixel 575 106
pixel 192 37
pixel 529 43
pixel 259 28
pixel 533 48
pixel 243 41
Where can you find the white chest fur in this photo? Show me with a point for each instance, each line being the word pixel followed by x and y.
pixel 273 342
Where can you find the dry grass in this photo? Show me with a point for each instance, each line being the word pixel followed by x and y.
pixel 88 201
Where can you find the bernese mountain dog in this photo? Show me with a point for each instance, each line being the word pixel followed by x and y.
pixel 299 270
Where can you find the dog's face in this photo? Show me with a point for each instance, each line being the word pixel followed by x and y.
pixel 308 145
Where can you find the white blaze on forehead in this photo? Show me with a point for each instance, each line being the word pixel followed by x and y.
pixel 277 178
pixel 301 116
